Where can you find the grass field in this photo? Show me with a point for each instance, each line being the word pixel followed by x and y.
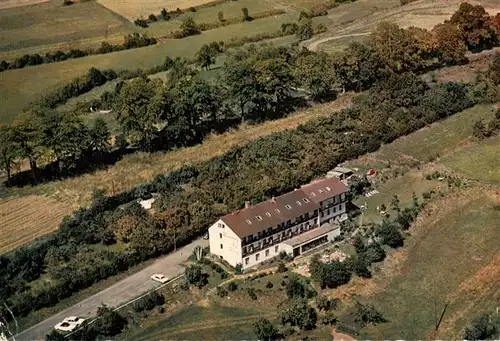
pixel 20 87
pixel 403 186
pixel 51 25
pixel 437 139
pixel 479 161
pixel 460 243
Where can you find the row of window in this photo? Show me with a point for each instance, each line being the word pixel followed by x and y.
pixel 257 255
pixel 277 210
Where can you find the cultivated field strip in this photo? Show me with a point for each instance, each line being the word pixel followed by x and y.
pixel 27 218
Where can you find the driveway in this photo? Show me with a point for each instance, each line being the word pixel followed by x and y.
pixel 121 292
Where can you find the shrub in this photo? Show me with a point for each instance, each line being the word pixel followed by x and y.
pixel 141 23
pixel 232 286
pixel 323 303
pixel 281 267
pixel 295 288
pixel 367 314
pixel 251 293
pixel 329 319
pixel 149 301
pixel 221 292
pixel 269 284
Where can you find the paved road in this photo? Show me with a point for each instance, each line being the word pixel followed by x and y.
pixel 121 292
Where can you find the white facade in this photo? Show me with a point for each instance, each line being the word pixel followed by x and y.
pixel 225 243
pixel 294 222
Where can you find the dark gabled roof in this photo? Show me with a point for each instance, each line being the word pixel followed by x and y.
pixel 323 189
pixel 289 206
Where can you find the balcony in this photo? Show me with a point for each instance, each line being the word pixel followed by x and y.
pixel 280 239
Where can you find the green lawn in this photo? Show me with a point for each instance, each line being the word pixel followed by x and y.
pixel 480 161
pixel 230 10
pixel 194 322
pixel 437 139
pixel 52 24
pixel 459 244
pixel 403 187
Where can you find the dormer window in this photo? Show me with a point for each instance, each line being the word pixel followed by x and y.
pixel 277 210
pixel 313 194
pixel 321 191
pixel 268 214
pixel 305 200
pixel 249 222
pixel 299 203
pixel 258 217
pixel 328 189
pixel 288 207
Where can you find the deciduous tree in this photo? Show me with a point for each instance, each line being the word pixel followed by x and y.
pixel 265 331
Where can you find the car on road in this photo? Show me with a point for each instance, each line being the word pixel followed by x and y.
pixel 159 278
pixel 205 236
pixel 69 324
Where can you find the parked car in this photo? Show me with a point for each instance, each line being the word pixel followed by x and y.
pixel 69 324
pixel 205 236
pixel 159 278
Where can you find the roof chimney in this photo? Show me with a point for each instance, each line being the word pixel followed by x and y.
pixel 273 200
pixel 247 204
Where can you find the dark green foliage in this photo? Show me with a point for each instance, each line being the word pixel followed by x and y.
pixel 221 292
pixel 329 319
pixel 149 301
pixel 152 17
pixel 485 327
pixel 367 314
pixel 389 234
pixel 54 335
pixel 265 331
pixel 281 267
pixel 189 27
pixel 195 276
pixel 232 286
pixel 358 185
pixel 323 303
pixel 238 269
pixel 141 23
pixel 479 130
pixel 251 293
pixel 298 313
pixel 269 284
pixel 360 267
pixel 331 275
pixel 305 30
pixel 164 14
pixel 295 288
pixel 373 253
pixel 245 16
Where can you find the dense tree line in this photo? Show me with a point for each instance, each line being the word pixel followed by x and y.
pixel 131 41
pixel 193 197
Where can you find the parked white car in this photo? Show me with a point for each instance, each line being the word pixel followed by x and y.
pixel 69 324
pixel 159 278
